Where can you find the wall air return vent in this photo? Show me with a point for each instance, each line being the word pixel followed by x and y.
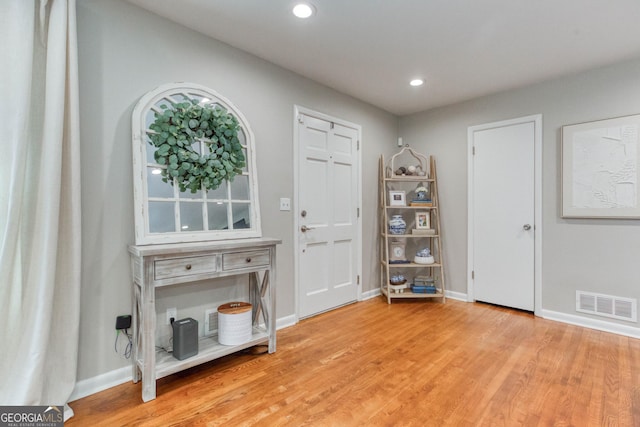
pixel 607 306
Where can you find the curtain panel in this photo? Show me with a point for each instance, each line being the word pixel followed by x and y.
pixel 39 202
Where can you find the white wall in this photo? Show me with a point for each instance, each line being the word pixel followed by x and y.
pixel 124 52
pixel 591 255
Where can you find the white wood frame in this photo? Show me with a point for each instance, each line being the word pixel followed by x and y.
pixel 140 146
pixel 537 226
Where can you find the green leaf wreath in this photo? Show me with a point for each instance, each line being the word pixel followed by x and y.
pixel 177 128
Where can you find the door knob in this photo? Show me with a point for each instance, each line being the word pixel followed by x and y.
pixel 527 227
pixel 304 228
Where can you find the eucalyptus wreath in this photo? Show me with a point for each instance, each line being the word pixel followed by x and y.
pixel 177 128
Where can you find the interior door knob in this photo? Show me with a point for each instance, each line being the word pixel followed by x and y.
pixel 304 228
pixel 527 227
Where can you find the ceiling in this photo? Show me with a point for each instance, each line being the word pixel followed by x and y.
pixel 370 49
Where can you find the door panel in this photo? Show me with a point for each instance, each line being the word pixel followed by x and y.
pixel 503 215
pixel 327 193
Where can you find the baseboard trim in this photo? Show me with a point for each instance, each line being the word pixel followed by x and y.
pixel 100 382
pixel 370 294
pixel 586 322
pixel 285 322
pixel 456 295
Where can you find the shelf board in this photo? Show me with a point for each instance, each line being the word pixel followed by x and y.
pixel 407 294
pixel 391 236
pixel 412 264
pixel 409 178
pixel 411 207
pixel 208 349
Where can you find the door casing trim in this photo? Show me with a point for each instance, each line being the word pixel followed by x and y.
pixel 297 110
pixel 537 275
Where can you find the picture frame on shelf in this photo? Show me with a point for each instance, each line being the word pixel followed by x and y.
pixel 397 252
pixel 423 220
pixel 397 198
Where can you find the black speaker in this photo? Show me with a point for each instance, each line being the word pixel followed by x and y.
pixel 185 338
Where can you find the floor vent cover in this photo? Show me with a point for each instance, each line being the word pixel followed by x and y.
pixel 607 306
pixel 210 322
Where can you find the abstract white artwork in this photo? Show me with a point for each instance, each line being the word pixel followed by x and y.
pixel 600 169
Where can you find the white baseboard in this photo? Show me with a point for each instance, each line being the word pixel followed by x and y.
pixel 101 382
pixel 456 295
pixel 285 322
pixel 587 322
pixel 370 294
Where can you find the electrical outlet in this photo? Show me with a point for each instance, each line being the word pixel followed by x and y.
pixel 172 312
pixel 285 204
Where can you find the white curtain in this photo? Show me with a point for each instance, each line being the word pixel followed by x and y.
pixel 39 202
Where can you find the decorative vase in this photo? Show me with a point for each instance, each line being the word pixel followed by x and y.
pixel 397 225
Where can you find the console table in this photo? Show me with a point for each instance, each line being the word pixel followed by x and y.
pixel 155 266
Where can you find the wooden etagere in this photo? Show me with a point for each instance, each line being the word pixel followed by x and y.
pixel 393 180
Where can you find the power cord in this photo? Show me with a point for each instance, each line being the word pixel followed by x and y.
pixel 129 346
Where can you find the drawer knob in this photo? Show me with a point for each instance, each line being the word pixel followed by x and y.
pixel 188 266
pixel 248 259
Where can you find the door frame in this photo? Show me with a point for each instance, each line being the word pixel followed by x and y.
pixel 537 250
pixel 297 110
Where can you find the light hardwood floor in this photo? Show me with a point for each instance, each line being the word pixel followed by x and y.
pixel 410 363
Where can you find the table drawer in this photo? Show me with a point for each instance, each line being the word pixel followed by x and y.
pixel 249 259
pixel 188 266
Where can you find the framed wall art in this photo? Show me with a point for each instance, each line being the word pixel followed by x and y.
pixel 600 168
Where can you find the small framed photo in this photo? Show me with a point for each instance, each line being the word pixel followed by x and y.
pixel 397 252
pixel 423 220
pixel 397 198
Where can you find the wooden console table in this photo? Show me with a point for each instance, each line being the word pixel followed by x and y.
pixel 155 266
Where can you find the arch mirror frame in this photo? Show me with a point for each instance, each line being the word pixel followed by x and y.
pixel 164 214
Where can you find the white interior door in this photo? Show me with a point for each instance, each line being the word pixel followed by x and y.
pixel 502 213
pixel 327 214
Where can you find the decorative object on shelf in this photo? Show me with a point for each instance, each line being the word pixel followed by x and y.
pixel 423 256
pixel 423 231
pixel 418 170
pixel 397 253
pixel 422 194
pixel 397 225
pixel 398 283
pixel 423 220
pixel 397 198
pixel 423 285
pixel 422 197
pixel 178 127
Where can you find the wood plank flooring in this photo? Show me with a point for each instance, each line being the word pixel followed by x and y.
pixel 412 363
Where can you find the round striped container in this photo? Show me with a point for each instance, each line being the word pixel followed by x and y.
pixel 234 323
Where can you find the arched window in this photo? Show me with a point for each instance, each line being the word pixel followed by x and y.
pixel 165 213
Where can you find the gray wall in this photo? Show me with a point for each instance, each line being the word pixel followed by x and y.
pixel 590 255
pixel 124 52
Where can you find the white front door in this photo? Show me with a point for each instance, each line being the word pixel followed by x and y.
pixel 502 216
pixel 327 214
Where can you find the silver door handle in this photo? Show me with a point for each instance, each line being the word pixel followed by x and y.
pixel 304 228
pixel 527 227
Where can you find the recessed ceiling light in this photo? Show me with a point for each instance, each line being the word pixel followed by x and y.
pixel 303 10
pixel 416 82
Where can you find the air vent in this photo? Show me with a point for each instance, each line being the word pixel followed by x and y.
pixel 210 322
pixel 607 306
